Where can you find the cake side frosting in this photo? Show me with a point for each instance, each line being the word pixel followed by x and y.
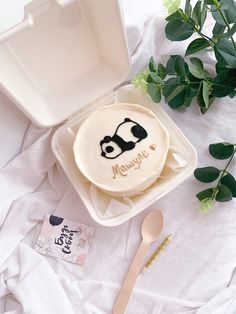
pixel 121 148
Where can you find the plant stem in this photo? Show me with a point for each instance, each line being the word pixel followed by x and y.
pixel 228 163
pixel 201 34
pixel 205 36
pixel 193 83
pixel 224 171
pixel 217 4
pixel 186 18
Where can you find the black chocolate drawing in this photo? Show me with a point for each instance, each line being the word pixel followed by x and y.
pixel 55 221
pixel 114 146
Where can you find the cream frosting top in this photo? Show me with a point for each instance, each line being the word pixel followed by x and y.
pixel 121 148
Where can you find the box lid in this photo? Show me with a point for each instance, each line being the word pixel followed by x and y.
pixel 61 55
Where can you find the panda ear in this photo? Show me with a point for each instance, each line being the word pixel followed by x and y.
pixel 127 120
pixel 107 139
pixel 103 154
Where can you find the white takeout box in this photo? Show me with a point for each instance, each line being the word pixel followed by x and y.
pixel 59 63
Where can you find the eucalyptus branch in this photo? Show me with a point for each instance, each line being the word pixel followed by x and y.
pixel 225 187
pixel 179 82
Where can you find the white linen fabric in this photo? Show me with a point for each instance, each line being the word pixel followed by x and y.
pixel 196 272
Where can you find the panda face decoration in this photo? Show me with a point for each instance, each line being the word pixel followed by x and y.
pixel 127 134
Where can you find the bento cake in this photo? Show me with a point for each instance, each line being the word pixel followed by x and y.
pixel 121 148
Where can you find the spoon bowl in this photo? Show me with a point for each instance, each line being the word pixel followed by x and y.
pixel 152 226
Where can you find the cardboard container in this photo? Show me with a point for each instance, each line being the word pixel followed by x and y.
pixel 61 62
pixel 63 55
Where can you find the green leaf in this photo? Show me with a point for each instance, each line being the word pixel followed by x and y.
pixel 161 71
pixel 203 17
pixel 228 9
pixel 177 15
pixel 172 88
pixel 211 100
pixel 211 2
pixel 170 85
pixel 177 30
pixel 200 99
pixel 179 66
pixel 175 92
pixel 232 94
pixel 190 93
pixel 197 45
pixel 149 78
pixel 225 49
pixel 220 67
pixel 206 174
pixel 229 181
pixel 156 78
pixel 178 101
pixel 188 7
pixel 199 14
pixel 218 30
pixel 231 31
pixel 154 91
pixel 203 96
pixel 220 59
pixel 197 63
pixel 197 68
pixel 205 194
pixel 170 65
pixel 206 90
pixel 195 72
pixel 152 65
pixel 224 83
pixel 171 5
pixel 194 81
pixel 221 150
pixel 223 194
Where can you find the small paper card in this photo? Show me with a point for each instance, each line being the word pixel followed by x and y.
pixel 66 239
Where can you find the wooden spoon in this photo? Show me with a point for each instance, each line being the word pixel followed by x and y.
pixel 151 228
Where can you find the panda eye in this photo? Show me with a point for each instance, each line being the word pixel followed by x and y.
pixel 109 149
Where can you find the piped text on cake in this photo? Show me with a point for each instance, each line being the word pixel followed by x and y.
pixel 133 164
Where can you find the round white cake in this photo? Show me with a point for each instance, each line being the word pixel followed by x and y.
pixel 121 148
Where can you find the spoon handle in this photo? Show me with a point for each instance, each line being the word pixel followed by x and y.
pixel 130 279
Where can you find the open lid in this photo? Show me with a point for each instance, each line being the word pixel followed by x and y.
pixel 62 55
